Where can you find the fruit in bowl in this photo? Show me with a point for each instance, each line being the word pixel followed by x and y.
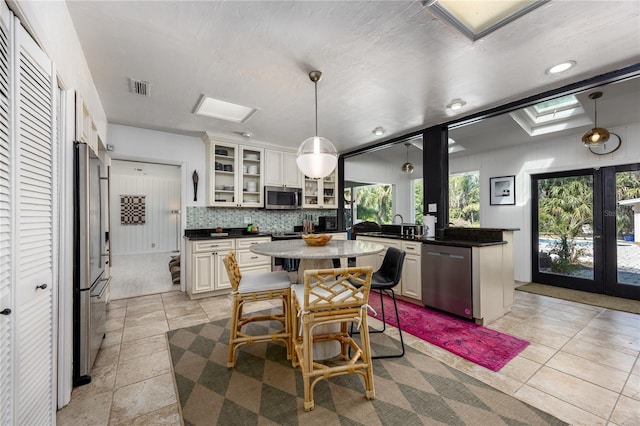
pixel 316 239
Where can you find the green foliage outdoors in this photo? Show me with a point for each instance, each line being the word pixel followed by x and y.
pixel 418 193
pixel 374 203
pixel 464 200
pixel 565 213
pixel 565 207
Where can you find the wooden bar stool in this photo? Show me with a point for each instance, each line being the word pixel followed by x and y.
pixel 328 297
pixel 256 287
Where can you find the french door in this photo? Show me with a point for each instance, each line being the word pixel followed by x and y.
pixel 586 230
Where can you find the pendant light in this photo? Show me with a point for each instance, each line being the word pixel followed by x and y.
pixel 317 157
pixel 407 167
pixel 597 135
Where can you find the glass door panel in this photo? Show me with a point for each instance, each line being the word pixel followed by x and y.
pixel 565 223
pixel 628 227
pixel 622 230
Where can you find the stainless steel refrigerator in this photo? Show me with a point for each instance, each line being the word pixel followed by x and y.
pixel 89 282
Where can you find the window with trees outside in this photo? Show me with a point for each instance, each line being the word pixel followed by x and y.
pixel 464 199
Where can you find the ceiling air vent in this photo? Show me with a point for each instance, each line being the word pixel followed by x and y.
pixel 140 87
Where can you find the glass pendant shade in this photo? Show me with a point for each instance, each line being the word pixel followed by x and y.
pixel 596 136
pixel 407 167
pixel 317 157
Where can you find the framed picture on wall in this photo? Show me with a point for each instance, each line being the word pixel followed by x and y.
pixel 502 190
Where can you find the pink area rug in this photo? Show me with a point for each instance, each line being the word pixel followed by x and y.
pixel 481 345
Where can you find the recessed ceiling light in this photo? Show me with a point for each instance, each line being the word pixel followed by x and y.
pixel 246 134
pixel 456 104
pixel 379 131
pixel 556 69
pixel 223 110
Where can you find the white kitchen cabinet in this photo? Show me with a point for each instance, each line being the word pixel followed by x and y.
pixel 235 175
pixel 411 270
pixel 249 261
pixel 320 193
pixel 281 169
pixel 206 273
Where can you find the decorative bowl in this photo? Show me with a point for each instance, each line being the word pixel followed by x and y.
pixel 316 239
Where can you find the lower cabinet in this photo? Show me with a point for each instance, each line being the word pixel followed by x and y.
pixel 249 261
pixel 412 270
pixel 206 274
pixel 411 283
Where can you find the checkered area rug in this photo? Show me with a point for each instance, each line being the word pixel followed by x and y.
pixel 263 388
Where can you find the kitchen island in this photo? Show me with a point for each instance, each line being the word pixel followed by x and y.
pixel 464 271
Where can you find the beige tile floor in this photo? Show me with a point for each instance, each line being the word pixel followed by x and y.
pixel 582 365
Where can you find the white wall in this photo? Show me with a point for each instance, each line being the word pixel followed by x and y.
pixel 50 24
pixel 566 153
pixel 161 189
pixel 132 143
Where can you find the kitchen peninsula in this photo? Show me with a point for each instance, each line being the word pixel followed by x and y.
pixel 464 271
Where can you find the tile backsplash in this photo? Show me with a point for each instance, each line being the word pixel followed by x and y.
pixel 266 220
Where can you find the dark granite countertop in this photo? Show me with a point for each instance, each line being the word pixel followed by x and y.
pixel 491 239
pixel 210 234
pixel 460 243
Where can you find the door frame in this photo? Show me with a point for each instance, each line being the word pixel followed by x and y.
pixel 611 285
pixel 595 285
pixel 605 253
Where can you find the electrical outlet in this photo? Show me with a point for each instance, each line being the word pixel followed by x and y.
pixel 247 219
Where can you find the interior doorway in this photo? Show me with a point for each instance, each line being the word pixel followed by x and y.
pixel 585 230
pixel 145 227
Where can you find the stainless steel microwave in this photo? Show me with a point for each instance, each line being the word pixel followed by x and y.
pixel 282 198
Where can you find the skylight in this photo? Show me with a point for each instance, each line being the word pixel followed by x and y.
pixel 477 18
pixel 222 110
pixel 554 115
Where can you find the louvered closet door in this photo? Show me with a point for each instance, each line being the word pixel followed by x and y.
pixel 6 321
pixel 34 232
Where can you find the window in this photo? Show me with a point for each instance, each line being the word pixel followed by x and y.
pixel 464 199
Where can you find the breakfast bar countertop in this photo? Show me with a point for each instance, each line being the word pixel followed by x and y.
pixel 298 249
pixel 210 234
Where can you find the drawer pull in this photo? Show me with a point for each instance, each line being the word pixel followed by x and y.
pixel 254 257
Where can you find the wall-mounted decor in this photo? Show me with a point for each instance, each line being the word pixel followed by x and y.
pixel 132 209
pixel 502 190
pixel 195 179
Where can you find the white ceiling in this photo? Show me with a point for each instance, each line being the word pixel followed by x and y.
pixel 385 63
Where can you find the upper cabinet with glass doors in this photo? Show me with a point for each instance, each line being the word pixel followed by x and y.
pixel 235 175
pixel 321 193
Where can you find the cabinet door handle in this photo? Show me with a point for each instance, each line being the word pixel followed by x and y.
pixel 41 286
pixel 5 311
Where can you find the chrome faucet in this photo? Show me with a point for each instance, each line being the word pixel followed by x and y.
pixel 401 222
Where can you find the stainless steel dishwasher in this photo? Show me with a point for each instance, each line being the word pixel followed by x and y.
pixel 446 279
